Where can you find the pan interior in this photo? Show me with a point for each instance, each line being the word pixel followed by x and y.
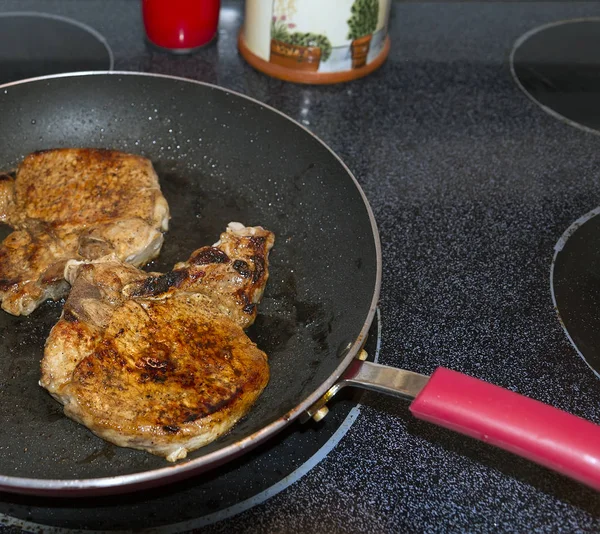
pixel 220 158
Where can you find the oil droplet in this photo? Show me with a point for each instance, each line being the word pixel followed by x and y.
pixel 33 121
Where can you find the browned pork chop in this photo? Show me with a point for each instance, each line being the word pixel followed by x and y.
pixel 160 362
pixel 75 204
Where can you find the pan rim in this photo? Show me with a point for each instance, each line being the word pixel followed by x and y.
pixel 171 473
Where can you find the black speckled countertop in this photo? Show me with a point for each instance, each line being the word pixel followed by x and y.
pixel 471 184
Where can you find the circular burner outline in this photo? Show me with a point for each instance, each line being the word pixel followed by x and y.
pixel 527 35
pixel 560 244
pixel 81 25
pixel 238 508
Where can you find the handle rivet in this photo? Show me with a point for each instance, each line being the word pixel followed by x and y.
pixel 320 413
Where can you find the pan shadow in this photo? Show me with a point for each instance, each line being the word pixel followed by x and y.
pixel 510 465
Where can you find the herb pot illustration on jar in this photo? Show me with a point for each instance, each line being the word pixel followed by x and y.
pixel 311 41
pixel 296 50
pixel 362 24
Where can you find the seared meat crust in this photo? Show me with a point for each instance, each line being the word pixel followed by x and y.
pixel 233 272
pixel 75 204
pixel 160 362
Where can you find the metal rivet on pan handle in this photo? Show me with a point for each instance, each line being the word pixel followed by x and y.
pixel 320 413
pixel 319 409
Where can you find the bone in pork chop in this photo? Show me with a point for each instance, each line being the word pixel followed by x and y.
pixel 75 204
pixel 160 362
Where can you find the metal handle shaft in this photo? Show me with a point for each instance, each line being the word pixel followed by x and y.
pixel 389 380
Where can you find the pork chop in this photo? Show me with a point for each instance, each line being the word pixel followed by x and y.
pixel 160 362
pixel 75 204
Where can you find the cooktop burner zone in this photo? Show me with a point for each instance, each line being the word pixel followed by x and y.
pixel 574 286
pixel 37 44
pixel 209 497
pixel 558 66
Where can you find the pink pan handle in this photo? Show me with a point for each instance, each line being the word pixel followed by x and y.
pixel 553 438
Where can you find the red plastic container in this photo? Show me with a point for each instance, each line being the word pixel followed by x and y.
pixel 180 25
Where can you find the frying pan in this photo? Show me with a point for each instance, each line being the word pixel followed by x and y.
pixel 221 157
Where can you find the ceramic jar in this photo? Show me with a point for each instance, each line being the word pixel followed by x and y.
pixel 315 41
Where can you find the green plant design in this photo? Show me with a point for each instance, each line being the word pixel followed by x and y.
pixel 314 40
pixel 280 31
pixel 363 18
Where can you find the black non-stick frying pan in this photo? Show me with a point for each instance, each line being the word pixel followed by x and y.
pixel 220 158
pixel 223 157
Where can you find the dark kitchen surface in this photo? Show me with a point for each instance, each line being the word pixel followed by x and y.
pixel 558 66
pixel 472 184
pixel 36 44
pixel 575 287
